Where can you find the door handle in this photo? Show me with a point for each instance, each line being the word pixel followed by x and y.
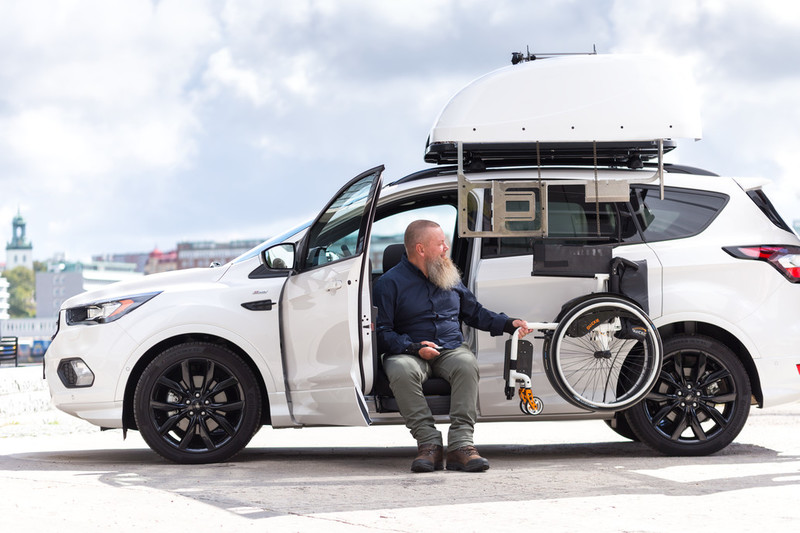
pixel 335 285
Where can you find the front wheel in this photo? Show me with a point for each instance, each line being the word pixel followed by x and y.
pixel 700 402
pixel 197 403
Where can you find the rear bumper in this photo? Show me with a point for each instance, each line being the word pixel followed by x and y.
pixel 780 379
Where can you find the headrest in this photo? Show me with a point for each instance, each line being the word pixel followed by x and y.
pixel 392 255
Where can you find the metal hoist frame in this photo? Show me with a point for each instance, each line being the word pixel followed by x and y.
pixel 519 207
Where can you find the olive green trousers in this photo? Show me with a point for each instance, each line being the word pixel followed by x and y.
pixel 459 367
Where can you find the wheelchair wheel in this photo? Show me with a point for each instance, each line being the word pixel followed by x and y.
pixel 605 354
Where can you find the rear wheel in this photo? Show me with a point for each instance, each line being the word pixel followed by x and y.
pixel 197 403
pixel 619 424
pixel 700 402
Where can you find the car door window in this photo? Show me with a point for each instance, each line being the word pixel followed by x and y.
pixel 337 234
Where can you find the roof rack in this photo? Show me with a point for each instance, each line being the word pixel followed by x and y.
pixel 478 156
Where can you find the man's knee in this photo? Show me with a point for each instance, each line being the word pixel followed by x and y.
pixel 403 368
pixel 463 364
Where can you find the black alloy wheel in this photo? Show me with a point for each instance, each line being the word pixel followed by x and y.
pixel 197 403
pixel 700 402
pixel 619 425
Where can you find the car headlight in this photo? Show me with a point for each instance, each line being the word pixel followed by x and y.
pixel 106 311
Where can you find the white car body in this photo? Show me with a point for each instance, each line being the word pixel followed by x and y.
pixel 308 338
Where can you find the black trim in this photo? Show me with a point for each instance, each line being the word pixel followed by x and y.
pixel 259 305
pixel 683 169
pixel 263 271
pixel 629 154
pixel 433 172
pixel 759 197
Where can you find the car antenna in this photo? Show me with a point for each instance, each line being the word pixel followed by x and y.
pixel 519 57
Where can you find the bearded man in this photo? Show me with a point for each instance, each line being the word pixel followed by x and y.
pixel 421 304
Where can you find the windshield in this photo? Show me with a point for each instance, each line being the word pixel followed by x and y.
pixel 283 237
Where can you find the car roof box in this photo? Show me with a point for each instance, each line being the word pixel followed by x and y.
pixel 574 107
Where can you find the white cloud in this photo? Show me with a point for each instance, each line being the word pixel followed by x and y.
pixel 98 86
pixel 181 118
pixel 223 73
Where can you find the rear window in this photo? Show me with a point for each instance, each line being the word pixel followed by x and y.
pixel 682 213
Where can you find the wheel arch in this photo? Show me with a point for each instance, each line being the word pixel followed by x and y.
pixel 128 419
pixel 689 327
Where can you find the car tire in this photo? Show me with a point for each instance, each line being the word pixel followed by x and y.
pixel 197 402
pixel 619 425
pixel 700 402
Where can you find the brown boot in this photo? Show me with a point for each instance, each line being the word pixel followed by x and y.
pixel 467 459
pixel 429 458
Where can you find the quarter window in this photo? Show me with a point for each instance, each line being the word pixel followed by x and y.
pixel 682 213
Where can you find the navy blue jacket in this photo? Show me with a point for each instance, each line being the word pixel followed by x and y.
pixel 411 309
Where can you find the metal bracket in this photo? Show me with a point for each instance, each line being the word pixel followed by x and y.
pixel 518 207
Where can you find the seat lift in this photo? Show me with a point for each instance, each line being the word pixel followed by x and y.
pixel 436 390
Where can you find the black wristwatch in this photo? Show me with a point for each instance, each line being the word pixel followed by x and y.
pixel 413 348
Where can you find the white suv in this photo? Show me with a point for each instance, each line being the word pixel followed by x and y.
pixel 199 360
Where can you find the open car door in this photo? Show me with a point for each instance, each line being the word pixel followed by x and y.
pixel 326 317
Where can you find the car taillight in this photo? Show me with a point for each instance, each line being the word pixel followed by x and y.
pixel 785 259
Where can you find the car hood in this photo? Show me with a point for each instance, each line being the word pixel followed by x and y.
pixel 174 280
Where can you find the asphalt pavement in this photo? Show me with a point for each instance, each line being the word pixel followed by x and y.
pixel 61 474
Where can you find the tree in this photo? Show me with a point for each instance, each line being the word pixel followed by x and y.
pixel 21 286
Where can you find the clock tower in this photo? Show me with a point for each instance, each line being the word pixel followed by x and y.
pixel 19 252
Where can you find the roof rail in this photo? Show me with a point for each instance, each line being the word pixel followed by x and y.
pixel 519 57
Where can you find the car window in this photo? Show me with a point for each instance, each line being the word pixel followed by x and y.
pixel 390 229
pixel 682 212
pixel 572 220
pixel 336 234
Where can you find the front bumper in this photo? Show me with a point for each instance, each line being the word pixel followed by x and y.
pixel 104 350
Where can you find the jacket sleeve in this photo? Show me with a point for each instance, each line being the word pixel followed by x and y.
pixel 389 341
pixel 475 315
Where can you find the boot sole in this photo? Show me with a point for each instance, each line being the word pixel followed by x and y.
pixel 476 465
pixel 425 466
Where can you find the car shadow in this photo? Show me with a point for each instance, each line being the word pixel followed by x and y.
pixel 275 481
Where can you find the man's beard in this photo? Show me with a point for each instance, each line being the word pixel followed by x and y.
pixel 442 272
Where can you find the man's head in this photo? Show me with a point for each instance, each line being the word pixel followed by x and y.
pixel 426 246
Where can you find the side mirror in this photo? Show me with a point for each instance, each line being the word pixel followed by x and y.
pixel 278 257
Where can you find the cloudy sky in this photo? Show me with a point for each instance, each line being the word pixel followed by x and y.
pixel 131 124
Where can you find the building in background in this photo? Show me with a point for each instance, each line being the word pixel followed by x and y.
pixel 137 258
pixel 3 299
pixel 159 261
pixel 204 253
pixel 19 251
pixel 64 280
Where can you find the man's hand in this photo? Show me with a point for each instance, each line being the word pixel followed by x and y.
pixel 429 350
pixel 521 324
